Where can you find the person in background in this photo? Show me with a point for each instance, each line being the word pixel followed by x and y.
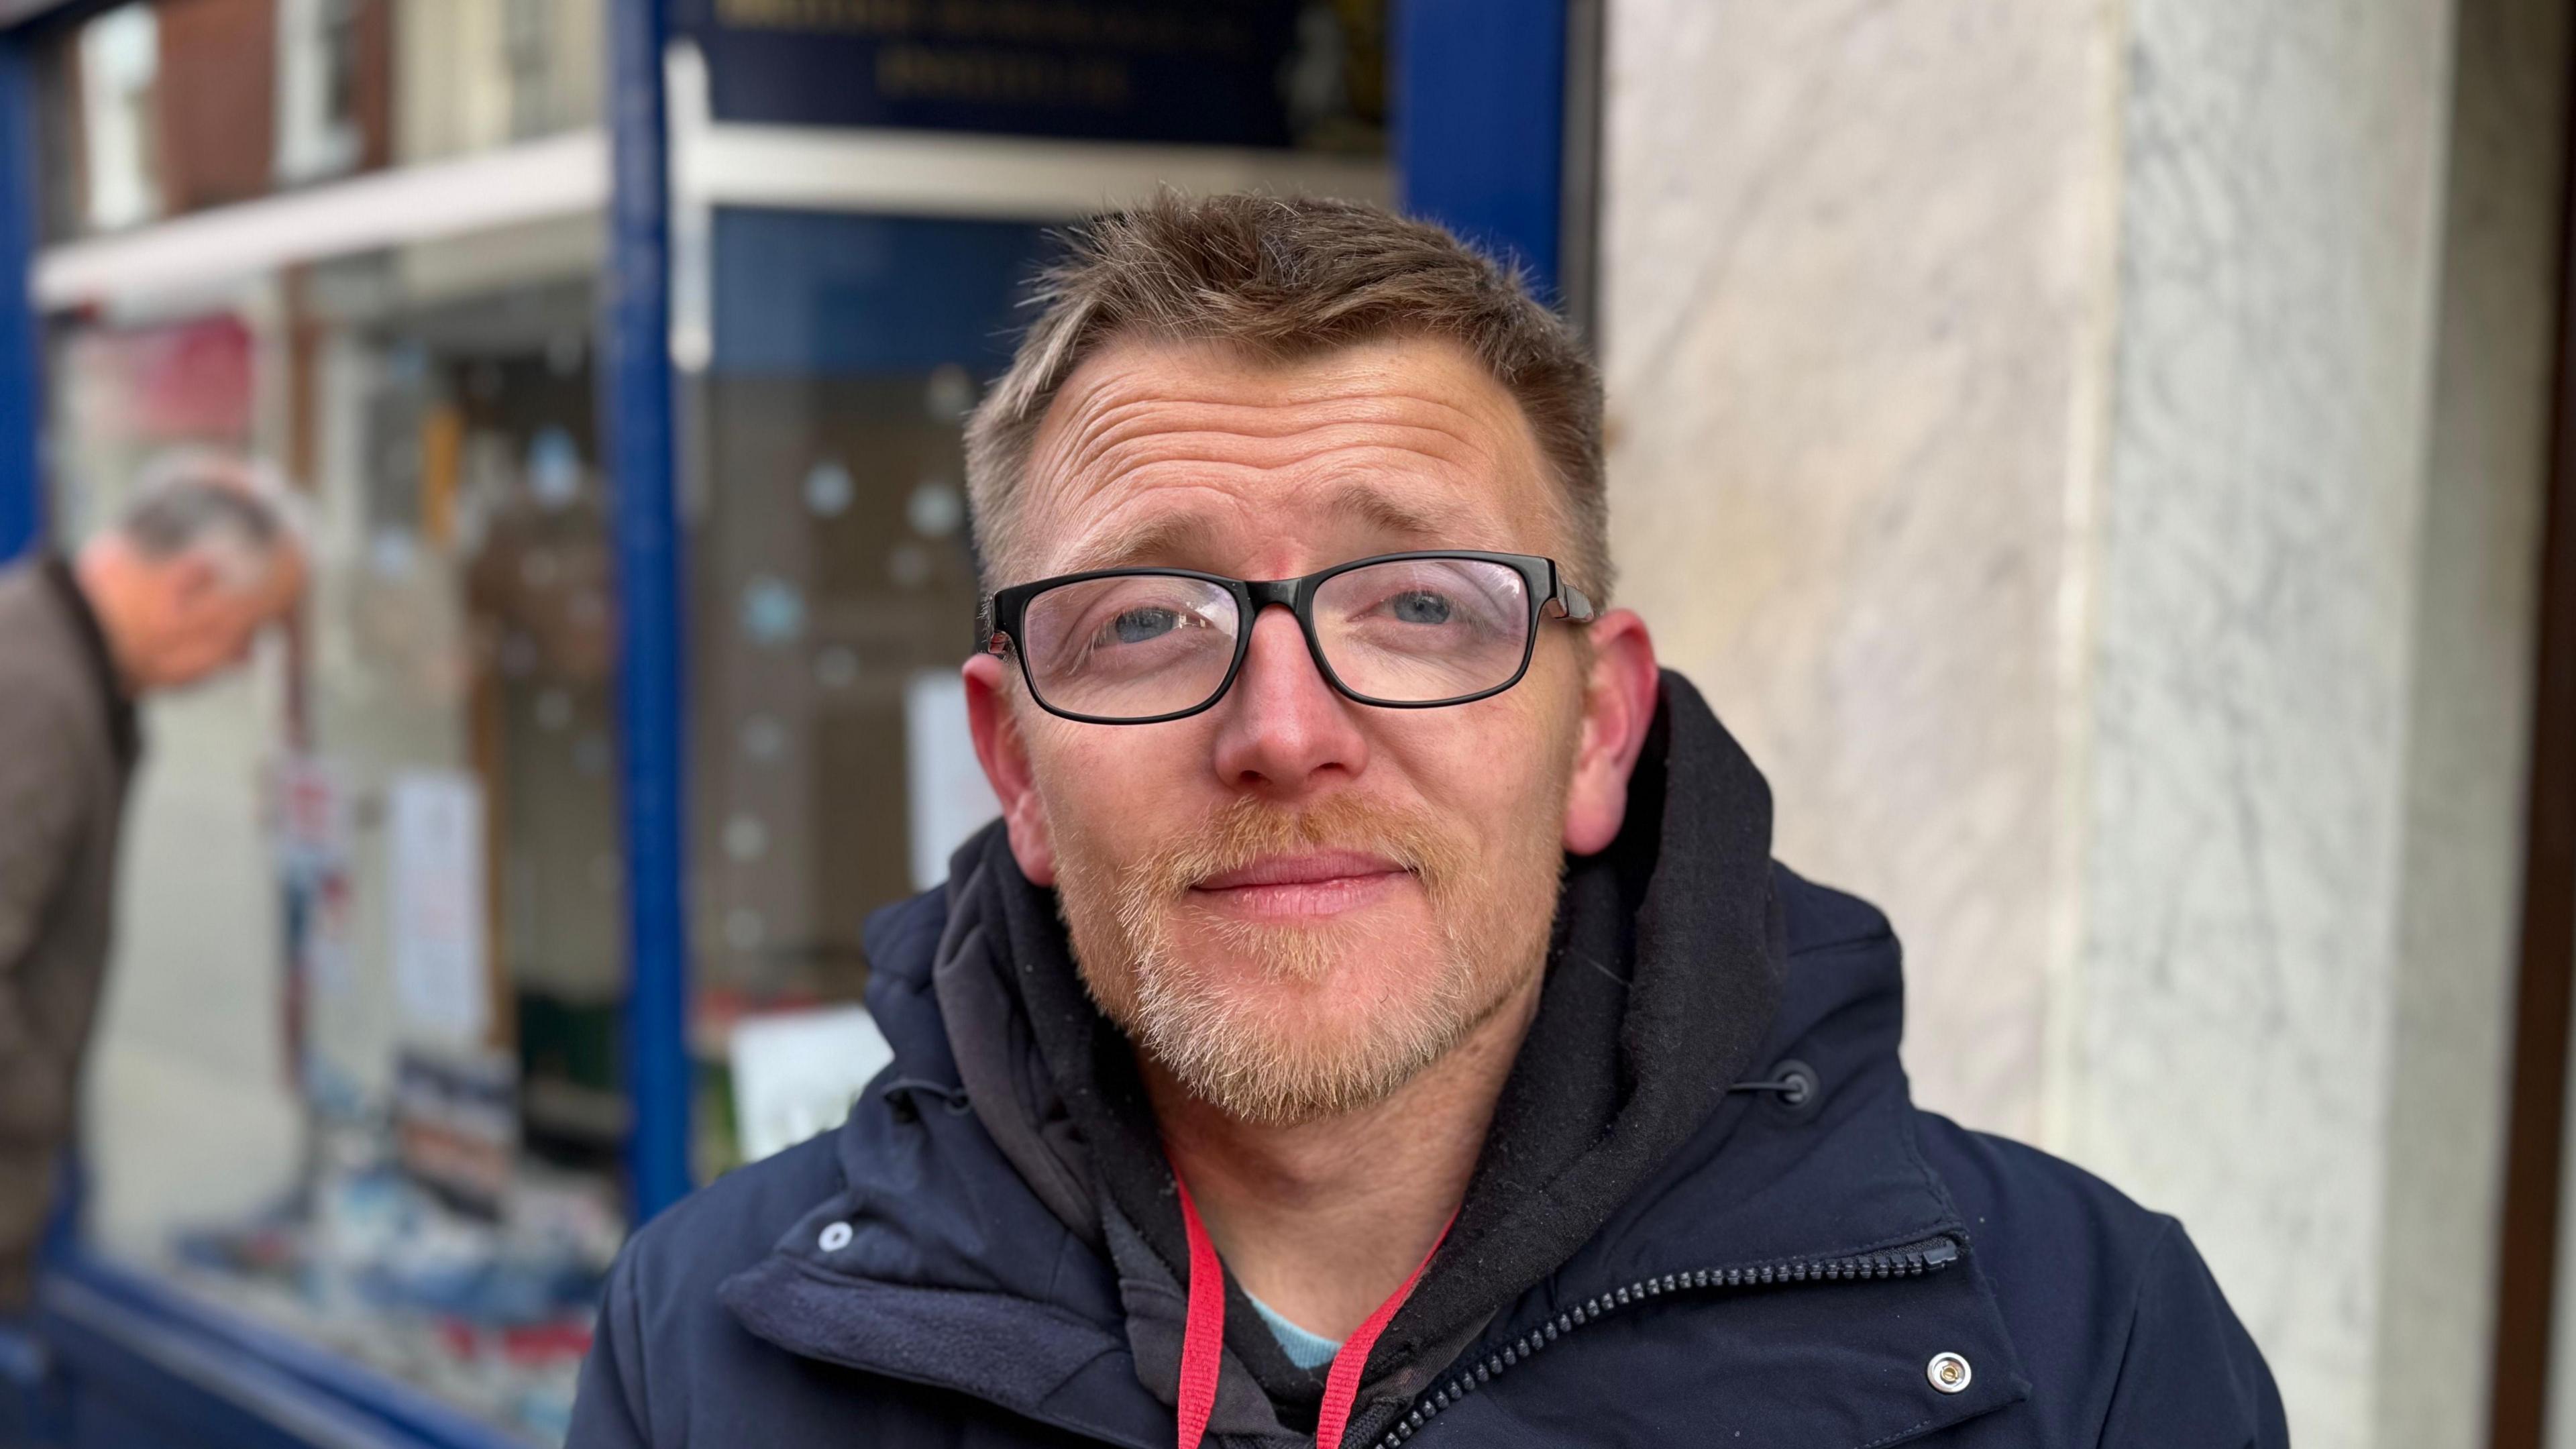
pixel 204 559
pixel 1377 1017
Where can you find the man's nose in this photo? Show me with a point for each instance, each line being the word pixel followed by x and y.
pixel 1282 729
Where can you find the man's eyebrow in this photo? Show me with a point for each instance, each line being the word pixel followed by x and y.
pixel 1171 536
pixel 1383 512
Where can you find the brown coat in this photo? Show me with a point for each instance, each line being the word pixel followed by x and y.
pixel 63 778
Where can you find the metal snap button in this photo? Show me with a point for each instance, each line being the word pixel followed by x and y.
pixel 836 1237
pixel 1949 1373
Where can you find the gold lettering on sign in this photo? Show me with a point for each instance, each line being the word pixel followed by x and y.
pixel 1001 77
pixel 863 17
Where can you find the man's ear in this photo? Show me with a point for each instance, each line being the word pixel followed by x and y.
pixel 1005 757
pixel 1619 697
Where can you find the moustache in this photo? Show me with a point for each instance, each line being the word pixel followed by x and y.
pixel 1245 831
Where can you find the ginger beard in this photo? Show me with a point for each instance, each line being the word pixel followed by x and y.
pixel 1284 1023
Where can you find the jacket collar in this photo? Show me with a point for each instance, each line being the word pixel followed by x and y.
pixel 976 1229
pixel 116 704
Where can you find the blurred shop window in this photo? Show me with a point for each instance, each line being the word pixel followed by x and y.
pixel 466 1072
pixel 360 1078
pixel 833 596
pixel 119 126
pixel 333 87
pixel 527 46
pixel 472 75
pixel 1335 80
pixel 553 57
pixel 170 106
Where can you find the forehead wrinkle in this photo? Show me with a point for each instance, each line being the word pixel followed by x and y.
pixel 1356 401
pixel 1335 451
pixel 1104 428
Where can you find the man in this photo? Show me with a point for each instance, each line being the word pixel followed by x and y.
pixel 201 562
pixel 1376 1016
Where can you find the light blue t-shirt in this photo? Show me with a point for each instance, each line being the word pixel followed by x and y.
pixel 1305 1350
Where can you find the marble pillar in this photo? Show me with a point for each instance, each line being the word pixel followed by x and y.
pixel 1855 302
pixel 2089 452
pixel 2234 996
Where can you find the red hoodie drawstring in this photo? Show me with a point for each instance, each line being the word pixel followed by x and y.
pixel 1203 1331
pixel 1203 1338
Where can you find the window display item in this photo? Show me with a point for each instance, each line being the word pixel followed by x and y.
pixel 456 1125
pixel 795 1073
pixel 438 884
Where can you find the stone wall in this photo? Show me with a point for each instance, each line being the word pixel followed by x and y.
pixel 1855 300
pixel 2090 454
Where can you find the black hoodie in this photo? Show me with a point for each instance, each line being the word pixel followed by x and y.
pixel 988 1252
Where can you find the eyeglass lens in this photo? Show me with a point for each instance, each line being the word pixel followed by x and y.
pixel 1408 631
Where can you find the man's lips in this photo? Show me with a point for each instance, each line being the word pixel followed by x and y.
pixel 1314 869
pixel 1319 883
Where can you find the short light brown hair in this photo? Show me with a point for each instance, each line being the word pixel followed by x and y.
pixel 1283 279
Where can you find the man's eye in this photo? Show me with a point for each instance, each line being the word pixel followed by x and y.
pixel 1420 606
pixel 1139 625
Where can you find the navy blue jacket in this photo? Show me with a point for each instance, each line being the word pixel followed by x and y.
pixel 1795 1274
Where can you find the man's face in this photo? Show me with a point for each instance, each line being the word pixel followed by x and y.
pixel 202 618
pixel 1292 901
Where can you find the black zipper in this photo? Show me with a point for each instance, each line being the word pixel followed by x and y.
pixel 1930 1255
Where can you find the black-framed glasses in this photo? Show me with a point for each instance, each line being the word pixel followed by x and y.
pixel 1398 630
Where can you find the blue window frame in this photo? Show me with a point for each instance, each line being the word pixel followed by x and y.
pixel 22 490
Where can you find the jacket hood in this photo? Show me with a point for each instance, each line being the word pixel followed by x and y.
pixel 1004 1187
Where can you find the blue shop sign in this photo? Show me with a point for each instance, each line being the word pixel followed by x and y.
pixel 1202 71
